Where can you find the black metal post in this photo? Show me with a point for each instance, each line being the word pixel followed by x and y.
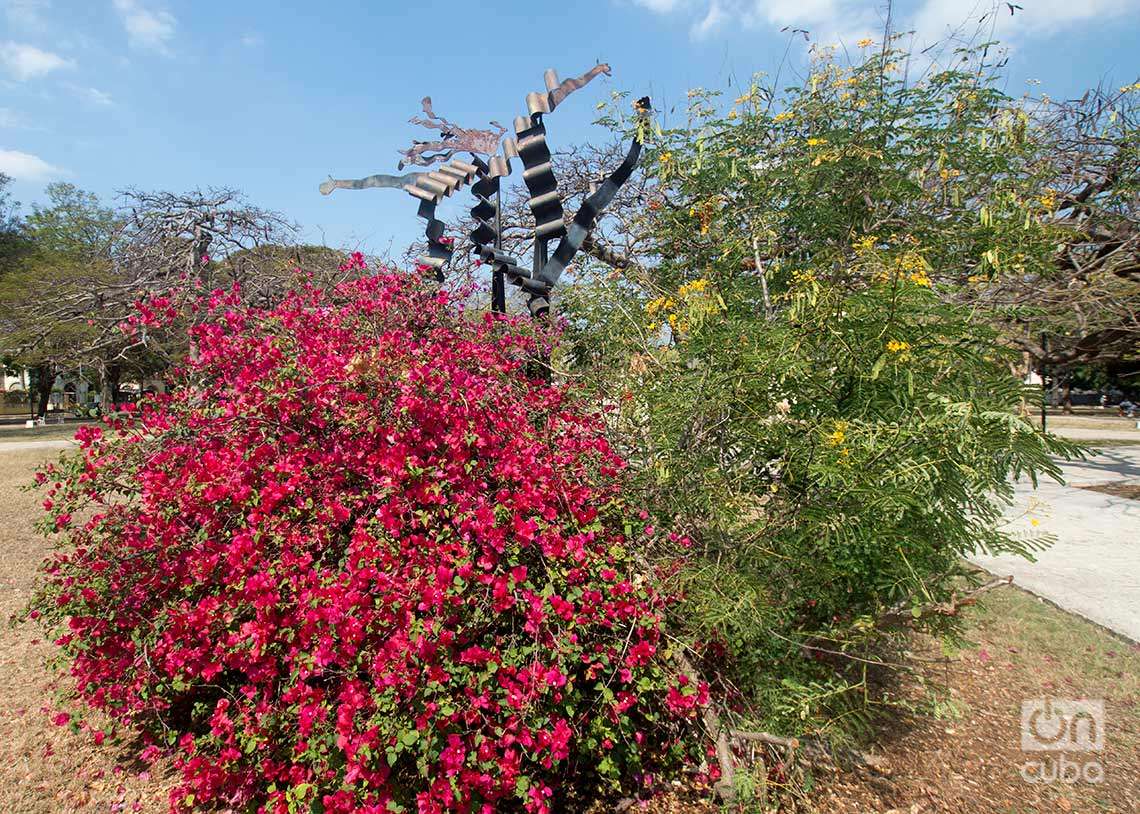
pixel 498 282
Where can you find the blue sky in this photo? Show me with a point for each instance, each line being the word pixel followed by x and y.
pixel 271 97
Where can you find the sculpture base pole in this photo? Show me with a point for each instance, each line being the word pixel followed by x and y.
pixel 498 281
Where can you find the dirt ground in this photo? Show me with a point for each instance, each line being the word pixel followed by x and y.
pixel 1128 490
pixel 970 760
pixel 967 759
pixel 45 768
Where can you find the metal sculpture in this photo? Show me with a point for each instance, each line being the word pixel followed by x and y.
pixel 545 201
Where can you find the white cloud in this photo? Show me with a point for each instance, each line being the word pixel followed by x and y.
pixel 25 61
pixel 25 166
pixel 12 120
pixel 25 13
pixel 660 6
pixel 712 21
pixel 937 19
pixel 93 96
pixel 793 12
pixel 830 21
pixel 146 28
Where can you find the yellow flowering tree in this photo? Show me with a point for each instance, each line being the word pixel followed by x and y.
pixel 803 380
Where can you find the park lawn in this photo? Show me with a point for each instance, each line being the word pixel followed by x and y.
pixel 966 759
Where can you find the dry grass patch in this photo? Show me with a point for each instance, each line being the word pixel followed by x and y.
pixel 45 768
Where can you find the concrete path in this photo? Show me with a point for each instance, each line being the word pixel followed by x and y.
pixel 1087 434
pixel 1093 569
pixel 15 446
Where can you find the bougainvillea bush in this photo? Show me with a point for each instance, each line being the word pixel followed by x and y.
pixel 356 560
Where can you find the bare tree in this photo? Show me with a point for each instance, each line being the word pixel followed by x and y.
pixel 153 244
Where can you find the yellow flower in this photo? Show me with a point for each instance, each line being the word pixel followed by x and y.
pixel 897 346
pixel 815 142
pixel 658 305
pixel 1034 522
pixel 665 157
pixel 838 435
pixel 865 243
pixel 782 116
pixel 732 114
pixel 694 287
pixel 1048 199
pixel 703 213
pixel 866 41
pixel 1135 86
pixel 826 155
pixel 915 267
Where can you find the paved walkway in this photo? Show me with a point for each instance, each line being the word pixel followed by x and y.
pixel 1087 434
pixel 15 446
pixel 1093 569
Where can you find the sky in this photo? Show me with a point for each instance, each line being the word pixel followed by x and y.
pixel 273 97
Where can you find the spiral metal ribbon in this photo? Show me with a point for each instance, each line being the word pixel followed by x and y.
pixel 429 188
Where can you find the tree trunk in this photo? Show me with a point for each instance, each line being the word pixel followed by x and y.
pixel 1067 396
pixel 115 374
pixel 109 378
pixel 104 388
pixel 45 378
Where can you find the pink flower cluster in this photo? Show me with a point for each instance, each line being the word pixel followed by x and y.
pixel 355 557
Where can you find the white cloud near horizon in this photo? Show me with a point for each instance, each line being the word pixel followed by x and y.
pixel 26 62
pixel 26 167
pixel 146 28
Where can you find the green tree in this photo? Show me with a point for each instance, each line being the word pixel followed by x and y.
pixel 67 246
pixel 807 384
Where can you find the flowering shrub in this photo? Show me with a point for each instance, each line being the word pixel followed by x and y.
pixel 357 561
pixel 813 376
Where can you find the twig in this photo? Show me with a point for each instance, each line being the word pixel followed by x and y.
pixel 812 749
pixel 900 614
